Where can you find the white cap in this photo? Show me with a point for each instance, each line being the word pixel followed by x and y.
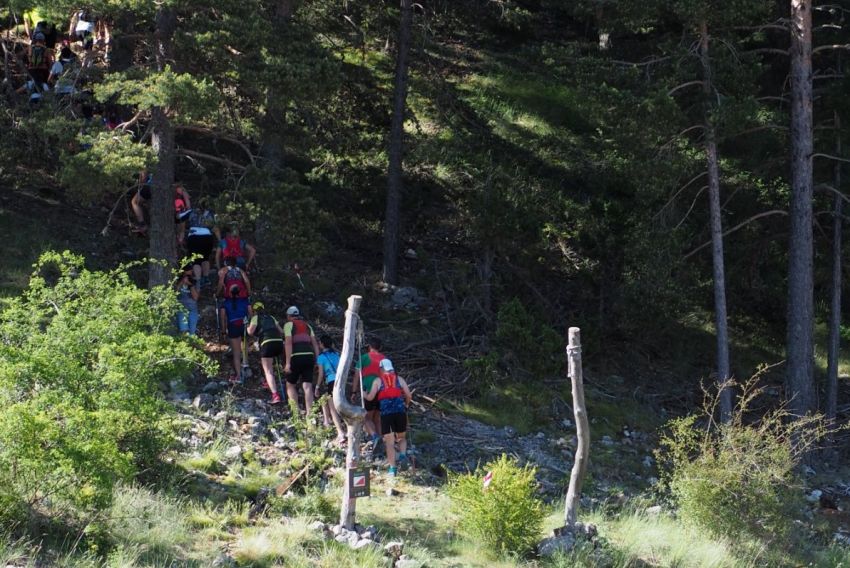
pixel 292 311
pixel 387 365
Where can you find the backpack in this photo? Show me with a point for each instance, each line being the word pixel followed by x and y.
pixel 233 277
pixel 232 247
pixel 301 342
pixel 389 386
pixel 179 202
pixel 268 328
pixel 39 57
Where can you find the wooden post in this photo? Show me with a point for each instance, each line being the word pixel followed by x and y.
pixel 582 429
pixel 352 414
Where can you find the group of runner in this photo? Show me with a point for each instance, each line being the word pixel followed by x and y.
pixel 289 350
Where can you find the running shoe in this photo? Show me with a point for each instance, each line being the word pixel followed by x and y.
pixel 275 398
pixel 393 471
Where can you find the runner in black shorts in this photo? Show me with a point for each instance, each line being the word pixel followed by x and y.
pixel 301 351
pixel 270 334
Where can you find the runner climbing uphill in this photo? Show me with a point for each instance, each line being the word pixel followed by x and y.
pixel 232 280
pixel 182 211
pixel 233 245
pixel 182 203
pixel 369 368
pixel 301 353
pixel 393 397
pixel 327 363
pixel 82 27
pixel 234 313
pixel 270 335
pixel 200 242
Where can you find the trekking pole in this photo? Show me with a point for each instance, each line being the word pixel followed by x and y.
pixel 281 387
pixel 297 270
pixel 246 370
pixel 218 325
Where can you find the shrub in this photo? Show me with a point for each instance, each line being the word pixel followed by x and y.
pixel 506 515
pixel 738 478
pixel 82 355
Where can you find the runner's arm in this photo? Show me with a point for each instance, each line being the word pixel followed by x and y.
pixel 247 281
pixel 287 348
pixel 407 396
pixel 252 252
pixel 373 392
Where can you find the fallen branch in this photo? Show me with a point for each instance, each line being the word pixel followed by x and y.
pixel 281 489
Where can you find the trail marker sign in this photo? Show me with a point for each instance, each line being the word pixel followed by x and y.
pixel 358 482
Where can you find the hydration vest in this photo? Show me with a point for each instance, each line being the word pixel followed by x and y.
pixel 267 327
pixel 233 247
pixel 301 337
pixel 389 386
pixel 233 279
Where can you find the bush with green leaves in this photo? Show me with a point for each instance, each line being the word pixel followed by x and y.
pixel 504 514
pixel 82 357
pixel 740 477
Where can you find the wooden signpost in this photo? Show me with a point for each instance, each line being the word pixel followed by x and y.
pixel 353 416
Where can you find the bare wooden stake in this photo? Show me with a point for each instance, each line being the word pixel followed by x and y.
pixel 582 429
pixel 352 414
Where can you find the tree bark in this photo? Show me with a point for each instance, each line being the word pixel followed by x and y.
pixel 582 429
pixel 718 262
pixel 351 413
pixel 392 223
pixel 800 350
pixel 163 249
pixel 835 307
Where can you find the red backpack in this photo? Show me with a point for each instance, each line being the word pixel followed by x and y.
pixel 232 247
pixel 179 202
pixel 233 279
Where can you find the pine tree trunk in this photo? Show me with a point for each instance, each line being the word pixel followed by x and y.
pixel 162 237
pixel 800 351
pixel 713 165
pixel 392 223
pixel 835 307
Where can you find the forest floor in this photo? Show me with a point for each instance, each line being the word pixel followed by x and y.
pixel 219 507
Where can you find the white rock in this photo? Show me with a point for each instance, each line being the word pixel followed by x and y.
pixel 654 510
pixel 365 543
pixel 607 441
pixel 549 546
pixel 353 538
pixel 233 452
pixel 337 530
pixel 647 461
pixel 317 526
pixel 407 563
pixel 814 496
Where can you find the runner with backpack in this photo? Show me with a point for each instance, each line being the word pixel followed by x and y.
pixel 232 245
pixel 232 280
pixel 39 62
pixel 368 367
pixel 393 397
pixel 182 204
pixel 200 242
pixel 266 328
pixel 234 313
pixel 327 363
pixel 301 352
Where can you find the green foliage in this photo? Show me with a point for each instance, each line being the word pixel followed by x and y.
pixel 506 516
pixel 530 348
pixel 312 503
pixel 740 477
pixel 83 354
pixel 110 162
